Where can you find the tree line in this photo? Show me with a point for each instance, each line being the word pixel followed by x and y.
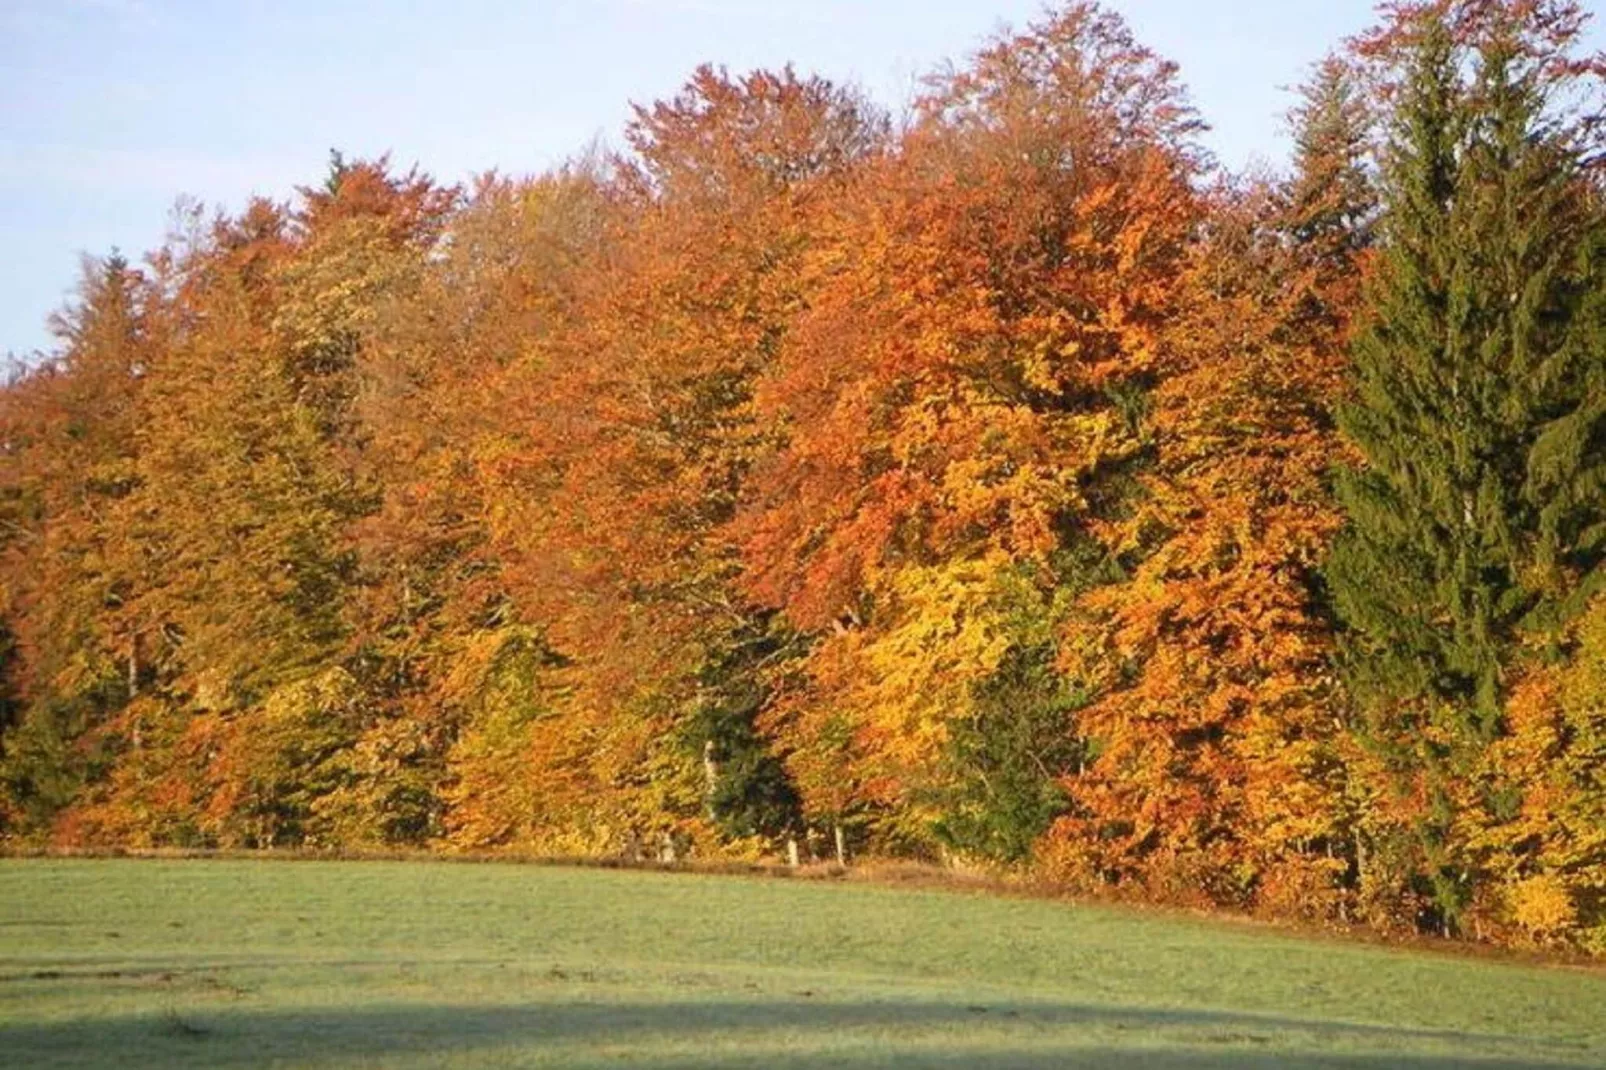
pixel 1002 484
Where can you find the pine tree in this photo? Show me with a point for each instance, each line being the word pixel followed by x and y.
pixel 1331 200
pixel 1476 403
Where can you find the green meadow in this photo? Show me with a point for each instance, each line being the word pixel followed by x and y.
pixel 120 963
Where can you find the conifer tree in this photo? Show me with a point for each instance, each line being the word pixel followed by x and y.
pixel 1475 406
pixel 1329 204
pixel 1473 370
pixel 1332 197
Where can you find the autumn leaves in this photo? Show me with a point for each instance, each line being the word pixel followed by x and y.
pixel 963 485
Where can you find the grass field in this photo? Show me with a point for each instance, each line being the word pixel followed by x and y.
pixel 422 964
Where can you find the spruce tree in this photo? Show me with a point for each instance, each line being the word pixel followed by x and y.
pixel 1330 201
pixel 1394 573
pixel 1325 216
pixel 1477 401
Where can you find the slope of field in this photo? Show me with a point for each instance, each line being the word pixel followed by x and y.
pixel 422 964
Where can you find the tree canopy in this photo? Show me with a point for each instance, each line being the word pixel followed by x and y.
pixel 1005 486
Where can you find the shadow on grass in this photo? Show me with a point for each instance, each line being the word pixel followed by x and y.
pixel 799 1033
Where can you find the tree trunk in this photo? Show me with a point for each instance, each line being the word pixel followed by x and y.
pixel 133 665
pixel 136 737
pixel 710 778
pixel 1360 865
pixel 841 847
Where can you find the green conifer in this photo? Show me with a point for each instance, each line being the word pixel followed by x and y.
pixel 1476 405
pixel 1477 395
pixel 1331 197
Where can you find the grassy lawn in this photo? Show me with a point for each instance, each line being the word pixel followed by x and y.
pixel 421 964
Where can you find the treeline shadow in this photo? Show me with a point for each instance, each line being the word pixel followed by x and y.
pixel 772 1033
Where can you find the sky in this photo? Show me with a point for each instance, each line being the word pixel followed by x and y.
pixel 110 110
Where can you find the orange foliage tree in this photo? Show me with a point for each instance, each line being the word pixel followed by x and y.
pixel 957 401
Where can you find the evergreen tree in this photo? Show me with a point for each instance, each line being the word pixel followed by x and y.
pixel 1009 758
pixel 1331 200
pixel 1476 394
pixel 747 792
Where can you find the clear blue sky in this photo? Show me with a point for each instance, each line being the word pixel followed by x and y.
pixel 110 109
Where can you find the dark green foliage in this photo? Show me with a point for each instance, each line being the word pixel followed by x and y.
pixel 1409 559
pixel 748 792
pixel 1477 407
pixel 1473 406
pixel 50 755
pixel 11 700
pixel 1009 758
